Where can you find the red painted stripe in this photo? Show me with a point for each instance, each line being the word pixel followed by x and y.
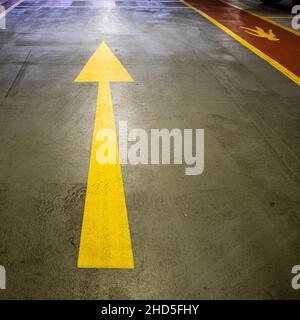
pixel 286 51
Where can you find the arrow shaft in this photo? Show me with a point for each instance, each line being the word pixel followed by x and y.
pixel 105 237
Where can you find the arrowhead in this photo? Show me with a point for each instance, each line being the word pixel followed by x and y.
pixel 103 66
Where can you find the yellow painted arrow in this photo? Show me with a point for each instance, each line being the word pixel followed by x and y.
pixel 105 237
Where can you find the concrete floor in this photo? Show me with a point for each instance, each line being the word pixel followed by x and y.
pixel 233 232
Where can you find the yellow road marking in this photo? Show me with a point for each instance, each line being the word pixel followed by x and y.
pixel 279 17
pixel 105 236
pixel 261 33
pixel 262 17
pixel 245 43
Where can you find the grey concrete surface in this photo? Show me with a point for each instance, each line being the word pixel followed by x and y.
pixel 233 232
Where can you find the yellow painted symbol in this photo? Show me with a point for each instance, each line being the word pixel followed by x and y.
pixel 105 237
pixel 259 32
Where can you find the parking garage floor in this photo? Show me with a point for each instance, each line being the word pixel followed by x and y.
pixel 231 232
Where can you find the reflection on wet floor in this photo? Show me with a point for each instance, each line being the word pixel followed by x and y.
pixel 104 4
